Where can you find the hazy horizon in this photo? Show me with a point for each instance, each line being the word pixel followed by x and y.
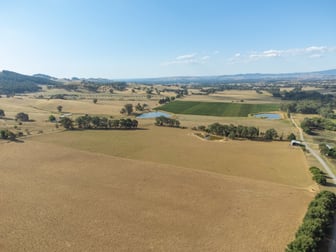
pixel 152 39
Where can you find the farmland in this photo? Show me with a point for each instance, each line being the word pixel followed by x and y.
pixel 151 189
pixel 70 198
pixel 217 108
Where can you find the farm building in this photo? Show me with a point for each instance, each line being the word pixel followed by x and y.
pixel 296 143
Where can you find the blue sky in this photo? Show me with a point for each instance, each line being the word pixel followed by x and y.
pixel 152 38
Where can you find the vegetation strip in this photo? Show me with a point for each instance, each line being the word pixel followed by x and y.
pixel 316 223
pixel 318 175
pixel 217 108
pixel 240 131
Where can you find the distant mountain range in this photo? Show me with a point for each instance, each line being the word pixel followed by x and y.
pixel 251 77
pixel 9 77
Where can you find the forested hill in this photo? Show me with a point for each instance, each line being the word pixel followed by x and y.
pixel 11 83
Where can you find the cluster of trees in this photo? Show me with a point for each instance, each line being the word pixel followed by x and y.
pixel 240 131
pixel 21 116
pixel 165 121
pixel 309 102
pixel 297 94
pixel 6 134
pixel 140 107
pixel 318 175
pixel 96 122
pixel 309 107
pixel 309 125
pixel 166 100
pixel 318 218
pixel 327 151
pixel 127 109
pixel 95 85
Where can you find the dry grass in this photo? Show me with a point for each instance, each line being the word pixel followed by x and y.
pixel 159 189
pixel 60 199
pixel 259 160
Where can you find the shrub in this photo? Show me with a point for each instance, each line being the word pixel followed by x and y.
pixel 52 118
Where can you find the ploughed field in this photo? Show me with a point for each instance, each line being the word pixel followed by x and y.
pixel 217 108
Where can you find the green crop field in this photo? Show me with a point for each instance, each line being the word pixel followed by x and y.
pixel 217 108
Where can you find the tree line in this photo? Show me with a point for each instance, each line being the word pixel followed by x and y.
pixel 240 131
pixel 165 121
pixel 316 223
pixel 96 122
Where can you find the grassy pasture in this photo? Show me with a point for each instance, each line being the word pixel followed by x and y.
pixel 217 108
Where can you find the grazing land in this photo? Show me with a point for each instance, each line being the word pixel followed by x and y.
pixel 217 108
pixel 151 189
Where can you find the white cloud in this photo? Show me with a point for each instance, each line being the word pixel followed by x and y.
pixel 192 58
pixel 315 56
pixel 186 57
pixel 310 52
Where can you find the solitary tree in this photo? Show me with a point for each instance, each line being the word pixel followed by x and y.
pixel 22 117
pixel 2 113
pixel 128 108
pixel 95 100
pixel 59 108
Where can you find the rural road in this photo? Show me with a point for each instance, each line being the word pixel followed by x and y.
pixel 315 154
pixel 332 245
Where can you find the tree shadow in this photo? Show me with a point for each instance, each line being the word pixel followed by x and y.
pixel 328 184
pixel 18 141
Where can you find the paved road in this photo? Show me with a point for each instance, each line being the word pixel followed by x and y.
pixel 332 245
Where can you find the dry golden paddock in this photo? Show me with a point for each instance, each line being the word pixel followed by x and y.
pixel 156 189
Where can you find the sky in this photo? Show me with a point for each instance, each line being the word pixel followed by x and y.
pixel 158 38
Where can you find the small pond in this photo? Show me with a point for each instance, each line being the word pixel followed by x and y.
pixel 268 116
pixel 153 115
